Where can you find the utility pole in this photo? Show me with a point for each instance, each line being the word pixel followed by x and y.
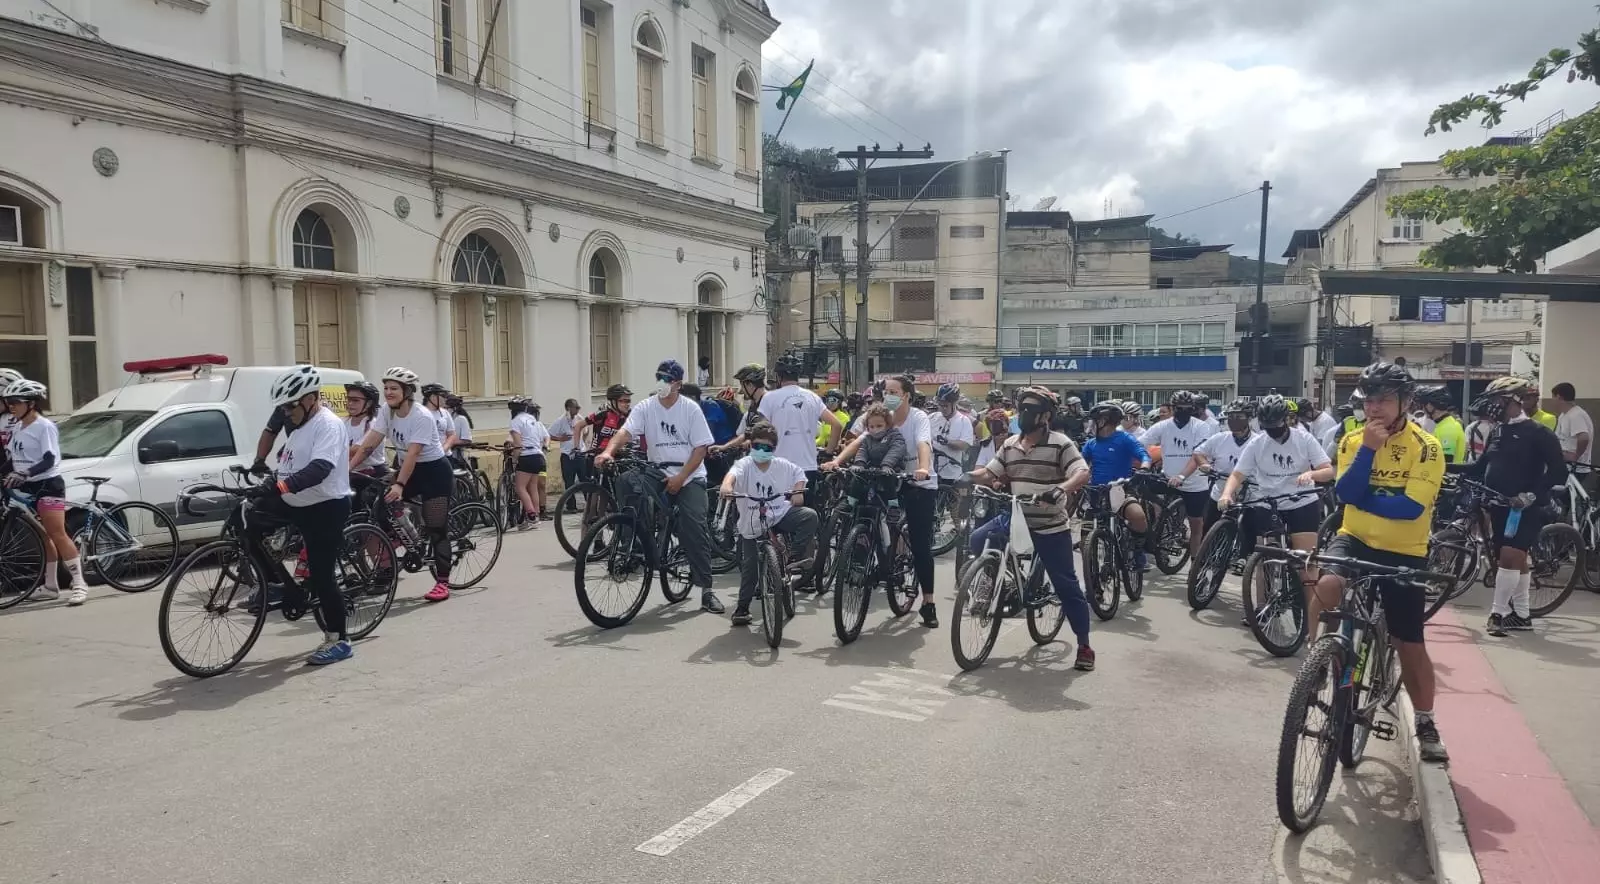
pixel 1331 350
pixel 1466 368
pixel 811 345
pixel 1258 314
pixel 862 158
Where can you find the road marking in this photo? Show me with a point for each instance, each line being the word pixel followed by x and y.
pixel 892 695
pixel 715 812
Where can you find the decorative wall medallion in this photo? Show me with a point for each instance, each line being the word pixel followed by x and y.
pixel 105 161
pixel 555 232
pixel 736 263
pixel 402 207
pixel 680 254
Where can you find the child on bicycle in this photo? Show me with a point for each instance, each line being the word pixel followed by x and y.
pixel 1112 454
pixel 761 475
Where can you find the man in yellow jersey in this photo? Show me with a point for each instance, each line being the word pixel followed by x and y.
pixel 1389 477
pixel 833 401
pixel 1435 402
pixel 1530 407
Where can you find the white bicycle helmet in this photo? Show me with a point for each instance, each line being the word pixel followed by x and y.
pixel 24 389
pixel 294 383
pixel 402 375
pixel 8 376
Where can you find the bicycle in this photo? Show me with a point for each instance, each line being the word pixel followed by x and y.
pixel 773 586
pixel 590 499
pixel 471 482
pixel 988 590
pixel 227 571
pixel 1583 515
pixel 1168 533
pixel 625 546
pixel 871 553
pixel 830 534
pixel 22 549
pixel 1109 569
pixel 1269 593
pixel 1219 549
pixel 125 539
pixel 946 507
pixel 1358 666
pixel 473 530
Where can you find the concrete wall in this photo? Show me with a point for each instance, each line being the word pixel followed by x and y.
pixel 1112 264
pixel 1205 269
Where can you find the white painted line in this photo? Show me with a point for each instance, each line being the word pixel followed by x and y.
pixel 889 713
pixel 715 812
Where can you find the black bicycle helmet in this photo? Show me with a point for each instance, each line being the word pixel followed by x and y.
pixel 1109 409
pixel 949 392
pixel 366 389
pixel 1272 410
pixel 754 373
pixel 1182 399
pixel 516 404
pixel 1240 405
pixel 1298 404
pixel 994 396
pixel 854 401
pixel 433 390
pixel 834 395
pixel 1432 394
pixel 1384 377
pixel 787 367
pixel 618 391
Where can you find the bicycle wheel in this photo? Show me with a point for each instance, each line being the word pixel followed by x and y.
pixel 945 525
pixel 21 559
pixel 1211 566
pixel 592 503
pixel 1555 563
pixel 612 585
pixel 724 537
pixel 976 620
pixel 1100 581
pixel 1045 612
pixel 901 586
pixel 1591 554
pixel 465 490
pixel 1274 604
pixel 852 583
pixel 134 546
pixel 366 575
pixel 673 565
pixel 827 546
pixel 507 503
pixel 1172 548
pixel 205 601
pixel 1449 552
pixel 771 592
pixel 1368 695
pixel 1330 528
pixel 1303 777
pixel 475 534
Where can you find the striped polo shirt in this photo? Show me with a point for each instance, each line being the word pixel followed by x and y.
pixel 1034 471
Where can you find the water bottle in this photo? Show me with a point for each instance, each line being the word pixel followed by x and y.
pixel 1513 519
pixel 408 530
pixel 302 567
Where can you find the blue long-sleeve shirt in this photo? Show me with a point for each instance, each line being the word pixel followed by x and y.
pixel 1114 457
pixel 1355 489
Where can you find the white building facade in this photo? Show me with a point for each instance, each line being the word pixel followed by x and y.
pixel 509 196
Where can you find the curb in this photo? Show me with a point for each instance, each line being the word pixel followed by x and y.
pixel 1449 852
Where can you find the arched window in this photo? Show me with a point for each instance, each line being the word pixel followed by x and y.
pixel 748 122
pixel 599 275
pixel 709 293
pixel 313 242
pixel 651 51
pixel 604 320
pixel 477 262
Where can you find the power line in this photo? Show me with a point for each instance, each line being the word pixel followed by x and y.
pixel 916 137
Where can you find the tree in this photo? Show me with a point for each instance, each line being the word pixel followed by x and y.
pixel 1544 194
pixel 781 158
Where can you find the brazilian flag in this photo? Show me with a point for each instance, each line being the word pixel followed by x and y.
pixel 793 90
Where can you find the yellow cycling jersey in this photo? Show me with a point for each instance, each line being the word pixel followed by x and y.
pixel 1410 463
pixel 825 431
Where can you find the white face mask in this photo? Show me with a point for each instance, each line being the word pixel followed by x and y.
pixel 663 389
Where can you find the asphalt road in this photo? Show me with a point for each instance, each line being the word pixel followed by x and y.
pixel 498 737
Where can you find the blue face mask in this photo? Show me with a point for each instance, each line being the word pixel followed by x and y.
pixel 891 401
pixel 761 455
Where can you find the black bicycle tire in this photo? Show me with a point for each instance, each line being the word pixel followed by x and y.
pixel 818 578
pixel 958 615
pixel 588 488
pixel 1327 651
pixel 896 592
pixel 771 591
pixel 1247 592
pixel 1174 513
pixel 20 523
pixel 451 519
pixel 646 548
pixel 161 518
pixel 351 533
pixel 724 560
pixel 1354 735
pixel 856 538
pixel 164 630
pixel 1329 528
pixel 1224 533
pixel 1452 537
pixel 667 548
pixel 1092 578
pixel 1036 613
pixel 945 501
pixel 1572 582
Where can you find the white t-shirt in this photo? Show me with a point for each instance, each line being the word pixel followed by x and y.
pixel 355 430
pixel 1569 425
pixel 8 423
pixel 916 429
pixel 1275 466
pixel 445 421
pixel 1212 426
pixel 30 443
pixel 321 437
pixel 563 427
pixel 418 427
pixel 463 429
pixel 954 429
pixel 1222 450
pixel 796 413
pixel 533 434
pixel 670 434
pixel 1177 444
pixel 780 477
pixel 1324 422
pixel 1426 423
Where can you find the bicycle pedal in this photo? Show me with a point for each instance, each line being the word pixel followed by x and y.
pixel 1385 730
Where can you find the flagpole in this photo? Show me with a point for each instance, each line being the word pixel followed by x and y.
pixel 785 118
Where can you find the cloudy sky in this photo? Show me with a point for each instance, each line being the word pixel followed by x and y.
pixel 1160 106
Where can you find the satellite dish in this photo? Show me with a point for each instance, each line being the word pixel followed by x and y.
pixel 1045 204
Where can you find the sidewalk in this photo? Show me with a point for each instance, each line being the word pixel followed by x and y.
pixel 1521 718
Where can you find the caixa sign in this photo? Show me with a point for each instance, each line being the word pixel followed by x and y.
pixel 1054 364
pixel 1015 365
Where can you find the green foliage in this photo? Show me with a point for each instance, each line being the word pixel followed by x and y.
pixel 1160 239
pixel 781 158
pixel 1544 193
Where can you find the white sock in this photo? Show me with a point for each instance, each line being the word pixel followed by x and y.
pixel 75 569
pixel 1519 599
pixel 51 581
pixel 1505 586
pixel 331 637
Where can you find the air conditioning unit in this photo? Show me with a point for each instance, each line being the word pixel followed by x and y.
pixel 11 225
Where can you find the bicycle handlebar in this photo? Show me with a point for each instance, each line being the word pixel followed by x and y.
pixel 1372 569
pixel 1003 497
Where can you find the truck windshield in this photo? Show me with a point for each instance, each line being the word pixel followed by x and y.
pixel 94 433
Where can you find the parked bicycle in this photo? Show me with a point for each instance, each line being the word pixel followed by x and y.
pixel 471 482
pixel 1221 549
pixel 22 549
pixel 873 552
pixel 624 548
pixel 474 533
pixel 1465 547
pixel 1001 583
pixel 1109 566
pixel 131 545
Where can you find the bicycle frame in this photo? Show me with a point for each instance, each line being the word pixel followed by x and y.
pixel 1017 559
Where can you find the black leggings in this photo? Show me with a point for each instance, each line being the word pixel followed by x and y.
pixel 426 482
pixel 919 505
pixel 321 528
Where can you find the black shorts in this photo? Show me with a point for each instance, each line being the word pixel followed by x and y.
pixel 431 479
pixel 1533 519
pixel 531 463
pixel 45 489
pixel 1195 503
pixel 1303 519
pixel 1403 605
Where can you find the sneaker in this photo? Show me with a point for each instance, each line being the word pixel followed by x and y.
pixel 1085 660
pixel 332 652
pixel 546 517
pixel 252 605
pixel 80 594
pixel 930 615
pixel 741 617
pixel 1496 626
pixel 1428 743
pixel 1236 568
pixel 1515 621
pixel 46 594
pixel 528 523
pixel 439 593
pixel 710 602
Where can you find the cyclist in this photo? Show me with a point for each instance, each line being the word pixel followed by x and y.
pixel 529 439
pixel 796 413
pixel 952 435
pixel 565 431
pixel 676 436
pixel 1221 453
pixel 1435 401
pixel 1389 477
pixel 1522 460
pixel 8 376
pixel 1282 460
pixel 1133 418
pixel 424 475
pixel 1113 454
pixel 313 494
pixel 1202 404
pixel 1070 419
pixel 1533 409
pixel 752 380
pixel 833 401
pixel 854 404
pixel 1178 437
pixel 764 474
pixel 461 422
pixel 1316 421
pixel 433 399
pixel 605 423
pixel 35 453
pixel 1046 462
pixel 361 404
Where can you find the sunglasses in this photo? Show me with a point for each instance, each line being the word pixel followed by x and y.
pixel 761 446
